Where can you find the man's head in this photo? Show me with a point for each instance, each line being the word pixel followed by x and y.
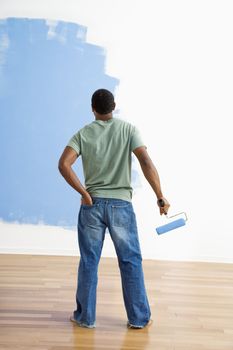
pixel 102 101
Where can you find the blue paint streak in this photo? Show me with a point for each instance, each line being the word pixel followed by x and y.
pixel 45 91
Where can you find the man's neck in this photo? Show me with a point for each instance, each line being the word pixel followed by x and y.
pixel 103 117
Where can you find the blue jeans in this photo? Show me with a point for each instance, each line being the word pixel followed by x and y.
pixel 118 216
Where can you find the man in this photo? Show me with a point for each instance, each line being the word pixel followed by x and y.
pixel 106 147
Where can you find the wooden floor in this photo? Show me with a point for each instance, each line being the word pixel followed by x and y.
pixel 191 304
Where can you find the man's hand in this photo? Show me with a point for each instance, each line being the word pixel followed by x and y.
pixel 163 205
pixel 86 199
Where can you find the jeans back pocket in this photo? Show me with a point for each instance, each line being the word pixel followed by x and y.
pixel 121 215
pixel 90 214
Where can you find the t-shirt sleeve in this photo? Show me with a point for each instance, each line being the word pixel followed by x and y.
pixel 136 140
pixel 75 143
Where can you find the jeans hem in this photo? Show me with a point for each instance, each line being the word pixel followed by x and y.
pixel 85 325
pixel 136 326
pixel 81 324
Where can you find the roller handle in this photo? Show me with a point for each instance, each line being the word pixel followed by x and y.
pixel 161 204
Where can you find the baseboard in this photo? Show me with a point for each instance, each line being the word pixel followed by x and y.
pixel 75 252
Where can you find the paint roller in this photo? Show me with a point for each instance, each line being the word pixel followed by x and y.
pixel 173 224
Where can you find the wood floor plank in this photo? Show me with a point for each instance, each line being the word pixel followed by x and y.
pixel 191 304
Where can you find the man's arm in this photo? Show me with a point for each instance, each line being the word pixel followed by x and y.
pixel 68 157
pixel 151 175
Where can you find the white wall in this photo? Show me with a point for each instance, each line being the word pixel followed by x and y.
pixel 174 61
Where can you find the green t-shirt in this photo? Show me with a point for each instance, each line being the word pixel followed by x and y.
pixel 105 147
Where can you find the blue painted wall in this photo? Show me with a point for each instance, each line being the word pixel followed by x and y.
pixel 47 78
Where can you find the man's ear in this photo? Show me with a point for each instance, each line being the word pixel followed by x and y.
pixel 114 104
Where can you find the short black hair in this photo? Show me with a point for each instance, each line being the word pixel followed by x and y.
pixel 102 101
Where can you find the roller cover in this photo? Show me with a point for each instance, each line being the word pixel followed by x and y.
pixel 171 226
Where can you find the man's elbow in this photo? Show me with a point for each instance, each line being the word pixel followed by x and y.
pixel 146 162
pixel 62 166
